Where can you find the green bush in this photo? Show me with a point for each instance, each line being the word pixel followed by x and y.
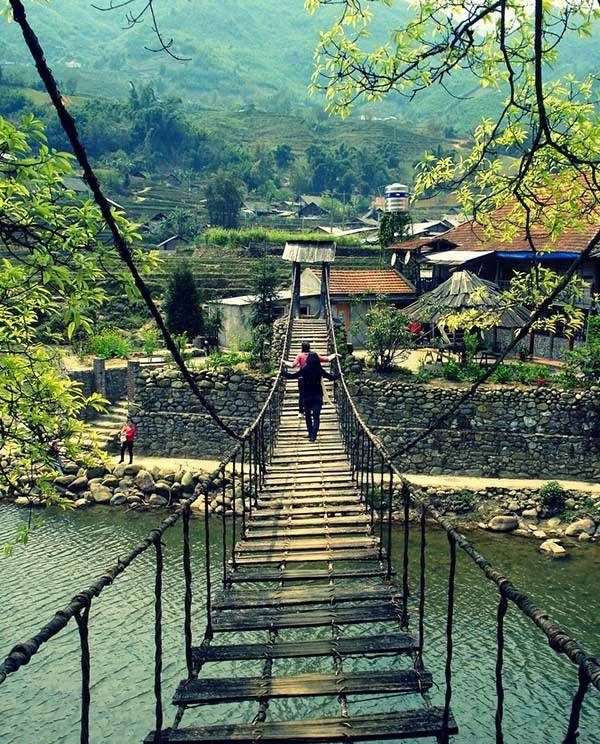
pixel 240 238
pixel 553 497
pixel 217 359
pixel 150 341
pixel 453 371
pixel 584 362
pixel 110 344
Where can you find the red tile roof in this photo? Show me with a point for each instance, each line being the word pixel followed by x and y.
pixel 471 236
pixel 368 281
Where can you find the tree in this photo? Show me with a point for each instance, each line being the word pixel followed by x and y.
pixel 283 156
pixel 182 302
pixel 550 127
pixel 52 284
pixel 223 200
pixel 388 339
pixel 265 288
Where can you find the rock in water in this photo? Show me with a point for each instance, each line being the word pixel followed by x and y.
pixel 553 548
pixel 581 525
pixel 503 523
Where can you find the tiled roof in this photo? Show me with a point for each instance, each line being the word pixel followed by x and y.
pixel 471 236
pixel 368 281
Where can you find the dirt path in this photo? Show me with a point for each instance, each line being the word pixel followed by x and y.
pixel 443 481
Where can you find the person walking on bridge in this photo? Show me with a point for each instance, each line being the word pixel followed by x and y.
pixel 298 363
pixel 311 375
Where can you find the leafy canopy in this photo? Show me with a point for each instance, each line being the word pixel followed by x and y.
pixel 52 273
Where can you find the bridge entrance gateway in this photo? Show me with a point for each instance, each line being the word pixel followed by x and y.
pixel 305 579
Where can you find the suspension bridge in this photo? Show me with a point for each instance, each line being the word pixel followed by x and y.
pixel 306 567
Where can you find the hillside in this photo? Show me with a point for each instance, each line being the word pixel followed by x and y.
pixel 236 53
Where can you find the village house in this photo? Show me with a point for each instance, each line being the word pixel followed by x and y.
pixel 352 292
pixel 429 261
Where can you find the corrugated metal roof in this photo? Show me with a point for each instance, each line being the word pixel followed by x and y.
pixel 309 252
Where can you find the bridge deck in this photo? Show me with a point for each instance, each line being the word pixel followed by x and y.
pixel 311 534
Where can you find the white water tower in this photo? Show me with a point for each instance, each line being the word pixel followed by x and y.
pixel 396 198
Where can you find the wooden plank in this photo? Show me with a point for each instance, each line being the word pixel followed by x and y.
pixel 266 618
pixel 304 574
pixel 407 724
pixel 300 522
pixel 308 543
pixel 330 509
pixel 226 690
pixel 317 501
pixel 360 554
pixel 394 643
pixel 330 593
pixel 286 531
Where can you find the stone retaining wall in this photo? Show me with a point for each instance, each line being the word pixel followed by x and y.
pixel 172 422
pixel 501 432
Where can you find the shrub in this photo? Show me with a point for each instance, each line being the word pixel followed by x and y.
pixel 585 361
pixel 452 371
pixel 553 497
pixel 218 359
pixel 110 344
pixel 150 341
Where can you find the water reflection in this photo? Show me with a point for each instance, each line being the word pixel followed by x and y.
pixel 41 702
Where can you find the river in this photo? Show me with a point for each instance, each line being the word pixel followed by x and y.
pixel 41 702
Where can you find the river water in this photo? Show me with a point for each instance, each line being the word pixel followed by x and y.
pixel 41 703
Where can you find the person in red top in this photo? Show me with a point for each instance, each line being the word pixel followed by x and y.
pixel 127 434
pixel 300 362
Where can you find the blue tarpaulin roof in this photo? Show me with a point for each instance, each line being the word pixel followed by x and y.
pixel 530 256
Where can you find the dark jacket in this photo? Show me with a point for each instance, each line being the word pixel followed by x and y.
pixel 312 382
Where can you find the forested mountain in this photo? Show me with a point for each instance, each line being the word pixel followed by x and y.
pixel 239 53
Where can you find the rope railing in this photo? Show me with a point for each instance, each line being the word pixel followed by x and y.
pixel 247 462
pixel 355 432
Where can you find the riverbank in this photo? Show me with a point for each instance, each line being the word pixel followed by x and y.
pixel 549 513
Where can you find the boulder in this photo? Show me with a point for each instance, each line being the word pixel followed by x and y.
pixel 98 471
pixel 119 470
pixel 187 481
pixel 503 523
pixel 162 488
pixel 22 501
pixel 197 506
pixel 80 503
pixel 118 499
pixel 79 484
pixel 132 469
pixel 144 481
pixel 540 534
pixel 64 481
pixel 553 548
pixel 530 513
pixel 134 498
pixel 156 500
pixel 101 494
pixel 69 467
pixel 581 525
pixel 111 481
pixel 584 537
pixel 554 522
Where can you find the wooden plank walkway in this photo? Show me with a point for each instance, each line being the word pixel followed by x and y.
pixel 309 560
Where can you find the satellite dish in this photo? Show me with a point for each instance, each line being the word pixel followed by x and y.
pixel 394 259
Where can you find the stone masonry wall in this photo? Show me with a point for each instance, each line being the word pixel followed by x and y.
pixel 172 422
pixel 502 432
